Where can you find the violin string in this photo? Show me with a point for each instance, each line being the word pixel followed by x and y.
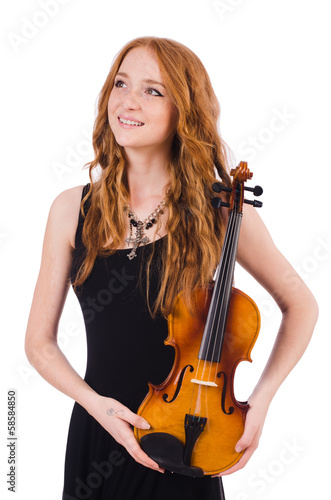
pixel 225 292
pixel 218 280
pixel 227 298
pixel 220 285
pixel 226 269
pixel 218 288
pixel 194 388
pixel 198 388
pixel 220 291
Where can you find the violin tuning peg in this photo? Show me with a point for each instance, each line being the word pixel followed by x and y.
pixel 257 190
pixel 218 187
pixel 255 203
pixel 217 203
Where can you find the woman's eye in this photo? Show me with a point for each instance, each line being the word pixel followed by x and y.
pixel 120 84
pixel 117 83
pixel 152 91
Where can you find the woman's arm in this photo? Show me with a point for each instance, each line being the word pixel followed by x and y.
pixel 260 257
pixel 49 297
pixel 41 345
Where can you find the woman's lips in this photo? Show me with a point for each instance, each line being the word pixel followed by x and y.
pixel 126 125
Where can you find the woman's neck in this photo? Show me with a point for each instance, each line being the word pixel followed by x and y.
pixel 147 176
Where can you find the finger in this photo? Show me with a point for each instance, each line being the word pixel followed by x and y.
pixel 125 436
pixel 136 420
pixel 247 438
pixel 127 439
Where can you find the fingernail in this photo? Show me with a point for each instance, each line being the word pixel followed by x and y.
pixel 158 469
pixel 145 425
pixel 238 449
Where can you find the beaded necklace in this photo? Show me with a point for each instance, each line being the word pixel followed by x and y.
pixel 140 226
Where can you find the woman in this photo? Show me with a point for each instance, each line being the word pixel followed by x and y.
pixel 146 230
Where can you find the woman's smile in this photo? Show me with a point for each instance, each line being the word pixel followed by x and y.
pixel 129 122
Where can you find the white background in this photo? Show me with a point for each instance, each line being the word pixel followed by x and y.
pixel 266 60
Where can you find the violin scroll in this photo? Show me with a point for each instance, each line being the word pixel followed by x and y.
pixel 240 175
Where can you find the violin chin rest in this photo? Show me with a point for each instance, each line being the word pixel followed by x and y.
pixel 167 451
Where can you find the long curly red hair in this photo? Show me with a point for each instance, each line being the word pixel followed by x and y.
pixel 199 157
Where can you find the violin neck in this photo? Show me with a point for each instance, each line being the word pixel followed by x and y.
pixel 212 340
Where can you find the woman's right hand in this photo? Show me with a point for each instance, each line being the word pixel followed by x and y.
pixel 116 419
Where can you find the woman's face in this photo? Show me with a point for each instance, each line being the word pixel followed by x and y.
pixel 140 111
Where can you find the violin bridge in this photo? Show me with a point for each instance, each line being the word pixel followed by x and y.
pixel 203 382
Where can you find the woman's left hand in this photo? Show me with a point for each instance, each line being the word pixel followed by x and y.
pixel 249 441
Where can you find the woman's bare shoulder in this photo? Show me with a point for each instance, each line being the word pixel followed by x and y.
pixel 65 209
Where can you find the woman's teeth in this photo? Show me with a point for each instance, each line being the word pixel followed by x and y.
pixel 129 122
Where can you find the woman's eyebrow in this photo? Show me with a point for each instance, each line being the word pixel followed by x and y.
pixel 147 80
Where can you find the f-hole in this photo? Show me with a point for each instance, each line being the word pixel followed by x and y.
pixel 179 385
pixel 225 383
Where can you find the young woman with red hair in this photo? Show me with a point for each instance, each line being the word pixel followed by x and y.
pixel 140 232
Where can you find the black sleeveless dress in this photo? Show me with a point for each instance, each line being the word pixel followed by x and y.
pixel 126 350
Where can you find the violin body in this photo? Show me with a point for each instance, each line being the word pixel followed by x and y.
pixel 166 405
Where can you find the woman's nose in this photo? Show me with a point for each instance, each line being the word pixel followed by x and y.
pixel 131 100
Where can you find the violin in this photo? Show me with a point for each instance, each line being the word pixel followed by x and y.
pixel 194 416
